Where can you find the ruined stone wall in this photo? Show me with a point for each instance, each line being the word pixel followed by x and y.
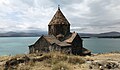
pixel 77 45
pixel 59 29
pixel 41 46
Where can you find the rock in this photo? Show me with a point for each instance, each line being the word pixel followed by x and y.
pixel 90 67
pixel 13 62
pixel 111 65
pixel 101 68
pixel 104 65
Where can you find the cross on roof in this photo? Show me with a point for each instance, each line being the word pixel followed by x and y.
pixel 58 6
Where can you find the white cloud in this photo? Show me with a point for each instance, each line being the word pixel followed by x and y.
pixel 91 16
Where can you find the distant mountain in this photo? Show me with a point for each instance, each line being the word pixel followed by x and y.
pixel 102 35
pixel 37 34
pixel 87 35
pixel 110 34
pixel 22 34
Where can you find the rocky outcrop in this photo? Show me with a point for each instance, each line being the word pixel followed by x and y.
pixel 10 64
pixel 102 65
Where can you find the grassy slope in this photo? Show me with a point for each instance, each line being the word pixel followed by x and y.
pixel 54 61
pixel 46 61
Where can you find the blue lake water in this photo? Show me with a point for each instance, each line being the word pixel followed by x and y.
pixel 102 45
pixel 19 45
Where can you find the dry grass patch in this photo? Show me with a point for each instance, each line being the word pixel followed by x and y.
pixel 1 68
pixel 47 61
pixel 75 60
pixel 57 57
pixel 62 66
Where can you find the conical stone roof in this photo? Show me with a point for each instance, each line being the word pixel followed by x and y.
pixel 59 18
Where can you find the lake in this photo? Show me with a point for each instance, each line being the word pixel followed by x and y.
pixel 19 45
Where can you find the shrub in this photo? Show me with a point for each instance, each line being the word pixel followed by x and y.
pixel 61 66
pixel 62 57
pixel 75 60
pixel 56 58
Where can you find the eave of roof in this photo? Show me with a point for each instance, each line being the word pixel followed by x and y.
pixel 70 40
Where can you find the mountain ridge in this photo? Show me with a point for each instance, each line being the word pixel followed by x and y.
pixel 37 34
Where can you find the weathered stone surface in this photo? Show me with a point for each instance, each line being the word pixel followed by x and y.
pixel 104 65
pixel 59 38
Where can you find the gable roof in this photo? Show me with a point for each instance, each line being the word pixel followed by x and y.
pixel 52 40
pixel 59 18
pixel 71 39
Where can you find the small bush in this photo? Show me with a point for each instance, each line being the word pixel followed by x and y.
pixel 62 57
pixel 56 58
pixel 75 60
pixel 61 66
pixel 31 63
pixel 59 58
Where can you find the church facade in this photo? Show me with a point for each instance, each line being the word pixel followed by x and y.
pixel 59 38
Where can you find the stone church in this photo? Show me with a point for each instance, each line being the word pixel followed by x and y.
pixel 59 38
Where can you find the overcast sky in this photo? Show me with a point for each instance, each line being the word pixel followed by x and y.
pixel 85 16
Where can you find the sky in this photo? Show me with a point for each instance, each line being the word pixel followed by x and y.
pixel 85 16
